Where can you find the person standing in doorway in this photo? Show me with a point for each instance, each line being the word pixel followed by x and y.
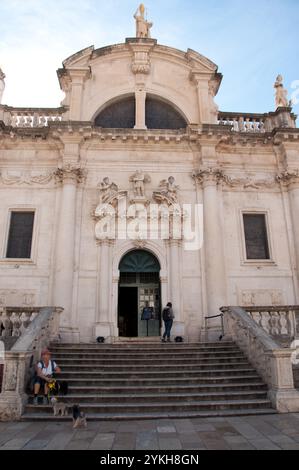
pixel 168 318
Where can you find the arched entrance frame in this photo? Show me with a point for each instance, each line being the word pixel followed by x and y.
pixel 158 250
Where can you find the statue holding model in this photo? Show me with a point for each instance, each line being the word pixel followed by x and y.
pixel 142 25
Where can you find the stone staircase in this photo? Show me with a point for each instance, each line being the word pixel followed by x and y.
pixel 153 380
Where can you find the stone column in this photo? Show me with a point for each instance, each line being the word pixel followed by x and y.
pixel 175 287
pixel 140 98
pixel 104 326
pixel 213 246
pixel 69 176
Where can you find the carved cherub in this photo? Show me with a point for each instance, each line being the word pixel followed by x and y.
pixel 108 190
pixel 168 191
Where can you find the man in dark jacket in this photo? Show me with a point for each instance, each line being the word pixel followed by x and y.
pixel 168 318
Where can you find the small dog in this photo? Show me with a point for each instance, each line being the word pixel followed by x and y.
pixel 59 408
pixel 79 418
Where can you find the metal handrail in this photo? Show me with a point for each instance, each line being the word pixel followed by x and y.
pixel 222 324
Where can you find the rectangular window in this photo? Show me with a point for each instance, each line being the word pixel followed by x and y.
pixel 256 237
pixel 20 235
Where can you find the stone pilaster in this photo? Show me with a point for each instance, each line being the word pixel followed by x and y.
pixel 104 326
pixel 290 181
pixel 69 176
pixel 175 286
pixel 209 179
pixel 78 78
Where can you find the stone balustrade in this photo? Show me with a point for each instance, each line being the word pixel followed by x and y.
pixel 280 322
pixel 14 320
pixel 30 117
pixel 272 362
pixel 258 123
pixel 244 123
pixel 36 329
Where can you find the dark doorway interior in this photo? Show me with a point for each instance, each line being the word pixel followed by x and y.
pixel 128 312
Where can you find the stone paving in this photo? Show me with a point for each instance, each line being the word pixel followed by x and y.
pixel 273 432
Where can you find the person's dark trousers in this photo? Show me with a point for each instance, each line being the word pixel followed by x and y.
pixel 168 325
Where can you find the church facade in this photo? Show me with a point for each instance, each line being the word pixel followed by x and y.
pixel 138 191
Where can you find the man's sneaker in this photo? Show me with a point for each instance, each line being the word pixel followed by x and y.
pixel 35 400
pixel 45 401
pixel 163 340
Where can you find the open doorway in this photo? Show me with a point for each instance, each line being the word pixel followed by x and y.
pixel 139 286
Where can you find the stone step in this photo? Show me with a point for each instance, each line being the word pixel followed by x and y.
pixel 153 379
pixel 172 374
pixel 130 368
pixel 168 406
pixel 165 382
pixel 178 414
pixel 178 355
pixel 162 346
pixel 148 363
pixel 166 389
pixel 153 345
pixel 136 398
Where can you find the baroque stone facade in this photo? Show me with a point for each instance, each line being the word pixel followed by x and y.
pixel 75 176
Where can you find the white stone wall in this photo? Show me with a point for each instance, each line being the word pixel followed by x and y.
pixel 55 171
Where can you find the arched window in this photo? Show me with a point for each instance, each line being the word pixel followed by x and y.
pixel 158 115
pixel 139 261
pixel 161 115
pixel 118 115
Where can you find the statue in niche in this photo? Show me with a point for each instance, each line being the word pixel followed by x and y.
pixel 281 97
pixel 168 191
pixel 2 84
pixel 142 25
pixel 139 179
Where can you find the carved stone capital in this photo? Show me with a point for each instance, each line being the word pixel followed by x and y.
pixel 70 174
pixel 208 176
pixel 288 178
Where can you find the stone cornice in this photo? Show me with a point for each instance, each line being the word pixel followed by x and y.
pixel 217 133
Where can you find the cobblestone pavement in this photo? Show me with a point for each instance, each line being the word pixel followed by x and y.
pixel 273 432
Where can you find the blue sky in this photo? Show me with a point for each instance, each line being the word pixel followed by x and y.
pixel 251 42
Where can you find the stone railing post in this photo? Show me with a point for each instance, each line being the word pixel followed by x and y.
pixel 13 397
pixel 40 332
pixel 272 362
